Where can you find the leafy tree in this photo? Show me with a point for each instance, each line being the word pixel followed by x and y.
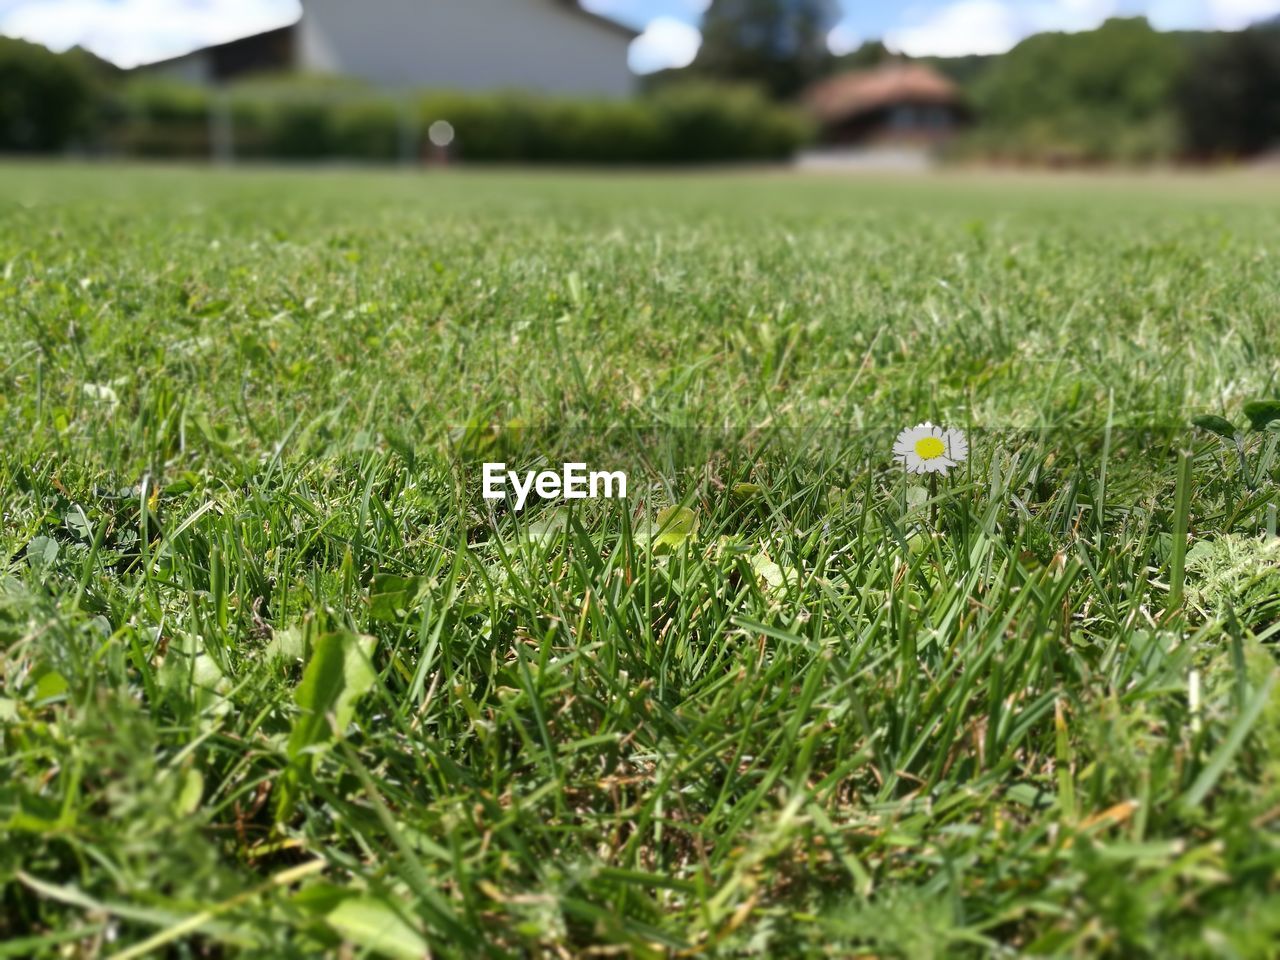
pixel 46 99
pixel 1100 95
pixel 1229 99
pixel 779 44
pixel 962 70
pixel 870 54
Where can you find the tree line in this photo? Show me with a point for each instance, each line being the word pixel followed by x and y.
pixel 1122 92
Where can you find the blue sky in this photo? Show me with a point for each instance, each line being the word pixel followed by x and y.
pixel 944 27
pixel 136 31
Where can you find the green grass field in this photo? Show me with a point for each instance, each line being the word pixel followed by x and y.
pixel 277 681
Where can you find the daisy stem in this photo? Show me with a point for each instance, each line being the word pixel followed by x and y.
pixel 933 499
pixel 1244 464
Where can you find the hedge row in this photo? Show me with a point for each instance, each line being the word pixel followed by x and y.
pixel 687 124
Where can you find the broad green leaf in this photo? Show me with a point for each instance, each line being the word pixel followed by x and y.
pixel 675 525
pixel 477 440
pixel 320 898
pixel 41 553
pixel 917 540
pixel 338 674
pixel 50 684
pixel 1214 424
pixel 767 572
pixel 190 792
pixel 392 597
pixel 1262 412
pixel 917 497
pixel 78 524
pixel 205 674
pixel 373 924
pixel 287 644
pixel 185 483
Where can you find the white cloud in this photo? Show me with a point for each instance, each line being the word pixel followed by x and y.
pixel 993 26
pixel 969 26
pixel 1177 14
pixel 1071 15
pixel 129 32
pixel 665 43
pixel 1212 14
pixel 1238 14
pixel 843 39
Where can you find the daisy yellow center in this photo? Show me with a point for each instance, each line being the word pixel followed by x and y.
pixel 929 448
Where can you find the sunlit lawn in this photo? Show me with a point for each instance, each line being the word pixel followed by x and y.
pixel 276 677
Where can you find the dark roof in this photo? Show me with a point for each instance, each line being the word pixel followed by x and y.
pixel 234 48
pixel 857 92
pixel 575 7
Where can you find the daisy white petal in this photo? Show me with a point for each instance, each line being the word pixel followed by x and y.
pixel 926 448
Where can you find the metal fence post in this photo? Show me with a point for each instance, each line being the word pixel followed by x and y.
pixel 408 131
pixel 222 140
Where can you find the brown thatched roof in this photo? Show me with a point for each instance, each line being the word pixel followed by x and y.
pixel 862 91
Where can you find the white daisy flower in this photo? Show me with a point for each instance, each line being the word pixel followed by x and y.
pixel 929 449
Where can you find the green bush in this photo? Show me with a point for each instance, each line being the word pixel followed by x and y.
pixel 311 118
pixel 300 130
pixel 367 130
pixel 46 99
pixel 517 128
pixel 160 119
pixel 308 116
pixel 705 122
pixel 687 123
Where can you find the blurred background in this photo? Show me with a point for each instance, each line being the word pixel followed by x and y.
pixel 816 83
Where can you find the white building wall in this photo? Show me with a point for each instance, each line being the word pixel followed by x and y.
pixel 534 45
pixel 194 68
